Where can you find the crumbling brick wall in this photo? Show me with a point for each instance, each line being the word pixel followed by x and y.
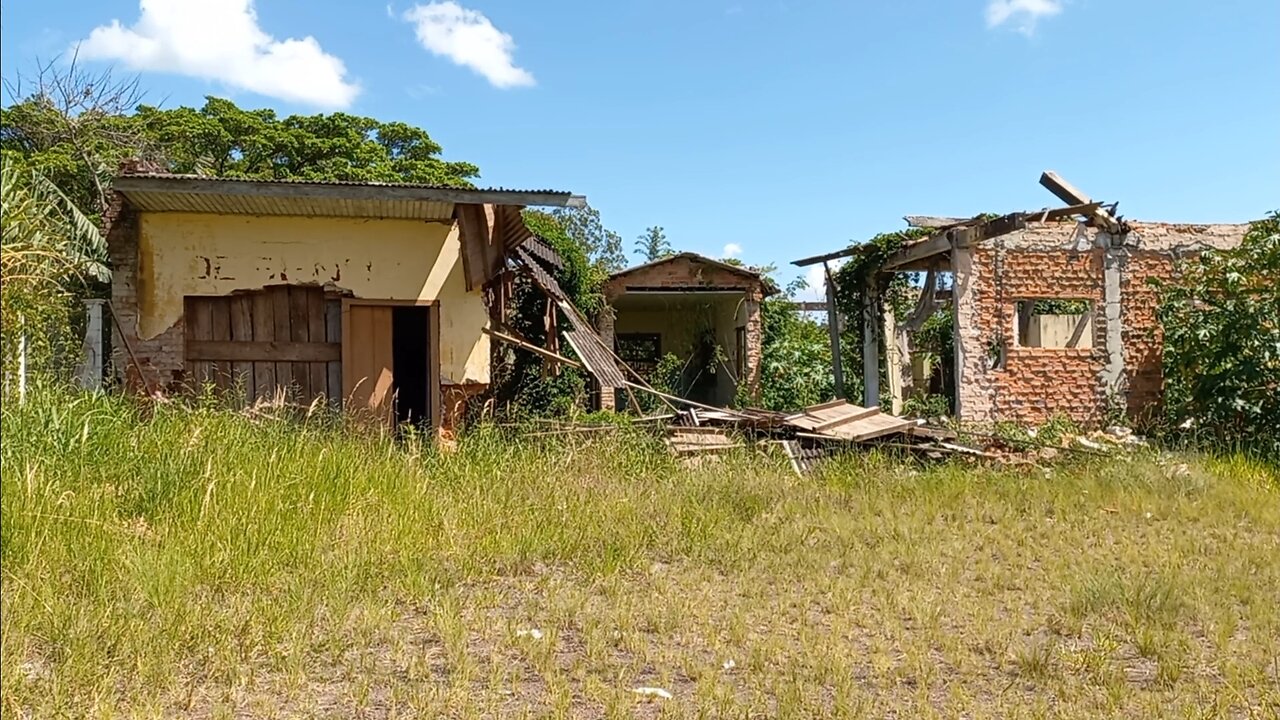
pixel 1068 261
pixel 1001 381
pixel 152 365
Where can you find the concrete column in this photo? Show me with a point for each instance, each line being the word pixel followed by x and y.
pixel 754 350
pixel 89 374
pixel 1113 372
pixel 870 350
pixel 964 319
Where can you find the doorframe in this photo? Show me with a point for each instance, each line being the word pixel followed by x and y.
pixel 433 344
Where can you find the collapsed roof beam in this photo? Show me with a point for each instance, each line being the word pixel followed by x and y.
pixel 1070 194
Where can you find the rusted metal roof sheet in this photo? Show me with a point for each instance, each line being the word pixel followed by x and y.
pixel 589 346
pixel 157 192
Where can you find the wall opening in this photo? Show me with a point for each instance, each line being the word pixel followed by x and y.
pixel 1054 323
pixel 410 351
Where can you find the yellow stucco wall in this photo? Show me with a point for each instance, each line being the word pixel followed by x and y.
pixel 182 254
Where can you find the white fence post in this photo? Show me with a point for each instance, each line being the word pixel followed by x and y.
pixel 89 374
pixel 22 360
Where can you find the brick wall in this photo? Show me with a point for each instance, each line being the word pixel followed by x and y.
pixel 1031 384
pixel 1066 261
pixel 153 365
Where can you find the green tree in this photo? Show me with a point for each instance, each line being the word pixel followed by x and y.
pixel 795 356
pixel 72 128
pixel 224 140
pixel 653 245
pixel 602 245
pixel 75 128
pixel 1221 322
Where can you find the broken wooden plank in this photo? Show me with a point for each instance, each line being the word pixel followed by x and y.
pixel 917 251
pixel 1070 194
pixel 934 222
pixel 232 351
pixel 530 347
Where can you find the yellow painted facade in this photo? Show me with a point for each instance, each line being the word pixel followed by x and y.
pixel 182 254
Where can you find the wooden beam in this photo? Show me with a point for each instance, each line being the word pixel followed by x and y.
pixel 530 347
pixel 847 252
pixel 1063 190
pixel 1087 210
pixel 236 351
pixel 833 330
pixel 1070 194
pixel 342 191
pixel 808 305
pixel 932 221
pixel 927 248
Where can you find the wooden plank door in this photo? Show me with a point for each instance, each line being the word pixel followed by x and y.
pixel 367 362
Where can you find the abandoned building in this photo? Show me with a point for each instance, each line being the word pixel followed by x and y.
pixel 372 295
pixel 1053 310
pixel 703 311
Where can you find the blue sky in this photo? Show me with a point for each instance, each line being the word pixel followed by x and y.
pixel 782 129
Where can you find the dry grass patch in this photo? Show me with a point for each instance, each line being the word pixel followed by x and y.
pixel 196 563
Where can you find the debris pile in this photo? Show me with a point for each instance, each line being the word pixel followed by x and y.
pixel 809 435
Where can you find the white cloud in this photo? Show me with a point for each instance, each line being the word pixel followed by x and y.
pixel 817 281
pixel 731 250
pixel 1023 14
pixel 468 38
pixel 221 40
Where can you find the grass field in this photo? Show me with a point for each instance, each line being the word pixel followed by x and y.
pixel 205 564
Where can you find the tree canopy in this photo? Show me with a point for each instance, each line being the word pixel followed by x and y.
pixel 78 144
pixel 653 245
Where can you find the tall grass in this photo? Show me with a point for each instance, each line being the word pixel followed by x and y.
pixel 151 550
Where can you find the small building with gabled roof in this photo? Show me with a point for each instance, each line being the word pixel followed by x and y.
pixel 705 312
pixel 371 296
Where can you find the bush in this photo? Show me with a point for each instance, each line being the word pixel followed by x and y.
pixel 1221 321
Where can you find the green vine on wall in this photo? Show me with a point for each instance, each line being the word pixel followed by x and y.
pixel 862 273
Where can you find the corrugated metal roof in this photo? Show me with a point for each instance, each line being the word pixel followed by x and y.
pixel 159 192
pixel 340 183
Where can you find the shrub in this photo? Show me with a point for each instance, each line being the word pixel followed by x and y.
pixel 1221 322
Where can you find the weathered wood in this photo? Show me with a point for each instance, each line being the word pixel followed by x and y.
pixel 316 332
pixel 1070 194
pixel 847 252
pixel 343 191
pixel 859 414
pixel 920 250
pixel 935 222
pixel 264 330
pixel 199 326
pixel 221 313
pixel 230 351
pixel 531 347
pixel 280 317
pixel 242 331
pixel 333 334
pixel 299 331
pixel 833 332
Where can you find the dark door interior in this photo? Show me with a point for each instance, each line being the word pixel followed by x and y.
pixel 410 350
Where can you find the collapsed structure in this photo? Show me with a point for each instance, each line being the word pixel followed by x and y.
pixel 1054 311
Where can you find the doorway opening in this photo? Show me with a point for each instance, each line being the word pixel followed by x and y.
pixel 391 361
pixel 410 350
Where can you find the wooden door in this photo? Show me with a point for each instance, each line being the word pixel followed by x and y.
pixel 367 361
